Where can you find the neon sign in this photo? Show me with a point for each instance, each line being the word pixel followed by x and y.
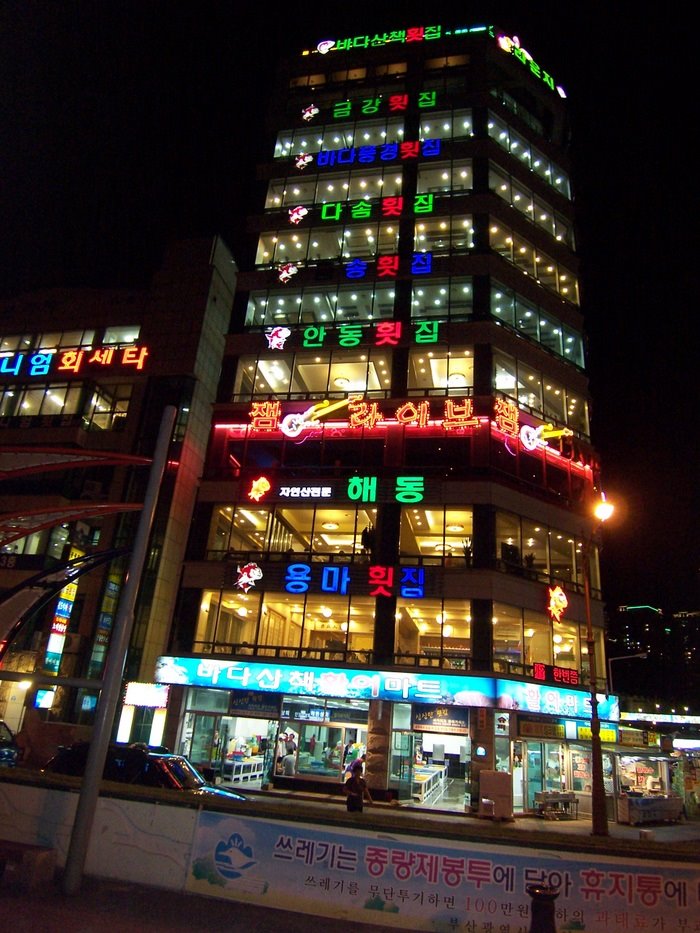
pixel 292 425
pixel 457 414
pixel 531 438
pixel 379 579
pixel 248 576
pixel 558 602
pixel 363 210
pixel 507 420
pixel 383 333
pixel 55 362
pixel 372 684
pixel 259 488
pixel 512 46
pixel 394 103
pixel 363 488
pixel 509 44
pixel 560 675
pixel 387 152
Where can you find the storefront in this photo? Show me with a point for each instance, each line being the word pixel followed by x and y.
pixel 427 735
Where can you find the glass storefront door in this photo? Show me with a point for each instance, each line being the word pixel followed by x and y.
pixel 533 773
pixel 200 739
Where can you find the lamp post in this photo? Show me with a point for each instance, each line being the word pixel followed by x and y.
pixel 599 814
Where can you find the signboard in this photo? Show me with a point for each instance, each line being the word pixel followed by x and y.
pixel 449 720
pixel 364 683
pixel 418 883
pixel 254 703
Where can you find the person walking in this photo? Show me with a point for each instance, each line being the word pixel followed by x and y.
pixel 356 789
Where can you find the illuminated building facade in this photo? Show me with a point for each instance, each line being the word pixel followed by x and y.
pixel 387 545
pixel 85 375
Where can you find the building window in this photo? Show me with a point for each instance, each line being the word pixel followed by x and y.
pixel 440 371
pixel 525 153
pixel 444 299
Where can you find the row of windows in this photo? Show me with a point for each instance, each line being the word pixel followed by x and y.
pixel 439 236
pixel 427 632
pixel 536 392
pixel 432 534
pixel 112 336
pixel 533 262
pixel 527 154
pixel 101 408
pixel 537 325
pixel 440 299
pixel 531 206
pixel 448 124
pixel 434 371
pixel 444 177
pixel 380 71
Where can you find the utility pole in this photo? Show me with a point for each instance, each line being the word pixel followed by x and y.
pixel 114 668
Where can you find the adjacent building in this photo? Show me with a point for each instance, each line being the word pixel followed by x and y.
pixel 85 376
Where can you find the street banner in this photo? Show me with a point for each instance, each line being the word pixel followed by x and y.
pixel 412 883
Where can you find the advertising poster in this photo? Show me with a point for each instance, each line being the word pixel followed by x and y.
pixel 427 884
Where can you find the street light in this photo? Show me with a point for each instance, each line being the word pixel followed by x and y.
pixel 599 814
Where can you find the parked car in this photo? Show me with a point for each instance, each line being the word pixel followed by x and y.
pixel 137 764
pixel 9 749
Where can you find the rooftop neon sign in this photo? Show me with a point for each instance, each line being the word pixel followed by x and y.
pixel 412 34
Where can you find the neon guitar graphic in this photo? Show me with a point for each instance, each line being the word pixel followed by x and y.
pixel 292 425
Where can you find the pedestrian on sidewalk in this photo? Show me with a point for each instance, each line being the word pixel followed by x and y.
pixel 356 789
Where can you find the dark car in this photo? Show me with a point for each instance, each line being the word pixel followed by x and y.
pixel 9 749
pixel 135 764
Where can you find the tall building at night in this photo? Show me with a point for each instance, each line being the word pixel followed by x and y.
pixel 389 535
pixel 392 551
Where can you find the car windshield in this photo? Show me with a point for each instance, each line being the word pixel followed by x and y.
pixel 183 773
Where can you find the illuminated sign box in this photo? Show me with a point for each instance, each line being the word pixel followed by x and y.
pixel 369 684
pixel 153 696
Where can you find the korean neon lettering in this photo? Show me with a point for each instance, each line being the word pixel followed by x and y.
pixel 134 356
pixel 381 578
pixel 422 263
pixel 410 413
pixel 423 203
pixel 427 332
pixel 265 416
pixel 412 584
pixel 363 414
pixel 71 360
pixel 387 266
pixel 363 488
pixel 362 210
pixel 459 414
pixel 297 578
pixel 410 488
pixel 335 579
pixel 388 333
pixel 392 207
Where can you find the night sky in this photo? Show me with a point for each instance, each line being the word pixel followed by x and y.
pixel 125 124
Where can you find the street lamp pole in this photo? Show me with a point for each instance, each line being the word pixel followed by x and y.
pixel 599 813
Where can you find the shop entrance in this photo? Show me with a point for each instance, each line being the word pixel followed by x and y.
pixel 326 750
pixel 544 770
pixel 229 749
